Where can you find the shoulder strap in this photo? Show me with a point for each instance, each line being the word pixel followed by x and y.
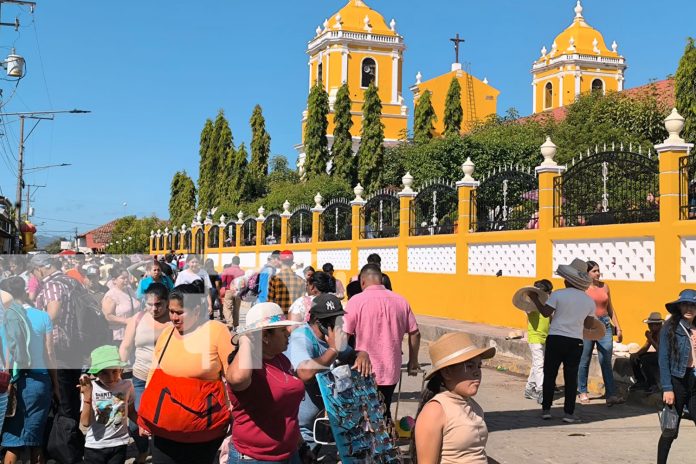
pixel 159 361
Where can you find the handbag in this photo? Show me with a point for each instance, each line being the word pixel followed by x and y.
pixel 183 409
pixel 669 421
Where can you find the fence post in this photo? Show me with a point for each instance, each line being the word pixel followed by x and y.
pixel 259 228
pixel 465 187
pixel 668 250
pixel 406 196
pixel 238 231
pixel 284 217
pixel 547 171
pixel 316 217
pixel 221 233
pixel 356 210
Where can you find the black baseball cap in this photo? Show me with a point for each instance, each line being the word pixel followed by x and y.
pixel 326 305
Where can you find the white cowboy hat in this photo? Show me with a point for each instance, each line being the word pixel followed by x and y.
pixel 576 274
pixel 522 301
pixel 265 316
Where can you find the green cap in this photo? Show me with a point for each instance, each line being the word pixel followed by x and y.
pixel 105 357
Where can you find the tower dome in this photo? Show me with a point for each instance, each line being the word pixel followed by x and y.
pixel 356 16
pixel 582 38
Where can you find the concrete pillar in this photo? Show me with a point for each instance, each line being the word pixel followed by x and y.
pixel 284 218
pixel 356 212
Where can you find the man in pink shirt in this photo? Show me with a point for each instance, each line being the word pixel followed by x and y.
pixel 379 319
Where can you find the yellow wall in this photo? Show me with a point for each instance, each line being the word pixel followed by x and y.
pixel 485 98
pixel 487 298
pixel 555 75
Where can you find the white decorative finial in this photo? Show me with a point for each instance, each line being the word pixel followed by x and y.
pixel 571 45
pixel 543 51
pixel 485 80
pixel 358 191
pixel 614 47
pixel 318 30
pixel 325 24
pixel 166 230
pixel 578 10
pixel 261 210
pixel 183 227
pixel 674 125
pixel 286 207
pixel 548 151
pixel 392 24
pixel 419 76
pixel 366 21
pixel 223 220
pixel 240 217
pixel 468 169
pixel 317 201
pixel 407 180
pixel 152 233
pixel 594 46
pixel 338 18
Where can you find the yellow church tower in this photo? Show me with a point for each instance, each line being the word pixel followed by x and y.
pixel 578 62
pixel 356 46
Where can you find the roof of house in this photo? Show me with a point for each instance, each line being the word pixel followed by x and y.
pixel 98 238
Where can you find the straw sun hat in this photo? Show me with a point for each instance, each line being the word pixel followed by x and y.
pixel 576 274
pixel 265 316
pixel 522 301
pixel 454 348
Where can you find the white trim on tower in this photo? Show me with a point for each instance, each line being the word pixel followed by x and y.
pixel 395 78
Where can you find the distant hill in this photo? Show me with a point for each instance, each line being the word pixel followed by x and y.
pixel 43 240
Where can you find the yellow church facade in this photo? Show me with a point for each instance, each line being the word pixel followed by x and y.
pixel 479 100
pixel 356 46
pixel 579 61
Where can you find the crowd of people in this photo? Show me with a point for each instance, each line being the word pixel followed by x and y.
pixel 99 353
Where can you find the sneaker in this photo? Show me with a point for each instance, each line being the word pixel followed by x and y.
pixel 612 400
pixel 540 397
pixel 571 419
pixel 529 394
pixel 546 414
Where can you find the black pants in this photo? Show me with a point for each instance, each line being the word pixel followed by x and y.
pixel 684 395
pixel 388 392
pixel 69 405
pixel 646 370
pixel 113 455
pixel 567 351
pixel 171 452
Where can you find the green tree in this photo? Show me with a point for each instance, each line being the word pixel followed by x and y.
pixel 685 89
pixel 423 118
pixel 240 187
pixel 280 171
pixel 133 234
pixel 53 248
pixel 260 144
pixel 207 172
pixel 221 149
pixel 342 149
pixel 182 199
pixel 316 144
pixel 453 109
pixel 371 151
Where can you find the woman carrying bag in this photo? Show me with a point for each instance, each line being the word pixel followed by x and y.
pixel 184 406
pixel 677 358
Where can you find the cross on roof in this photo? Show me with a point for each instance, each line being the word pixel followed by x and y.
pixel 457 41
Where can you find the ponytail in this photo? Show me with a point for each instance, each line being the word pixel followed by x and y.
pixel 432 388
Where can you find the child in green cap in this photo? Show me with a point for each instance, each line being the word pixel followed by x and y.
pixel 107 404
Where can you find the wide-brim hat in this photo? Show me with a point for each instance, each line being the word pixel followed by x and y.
pixel 105 357
pixel 686 296
pixel 265 316
pixel 596 332
pixel 522 301
pixel 576 274
pixel 654 318
pixel 454 348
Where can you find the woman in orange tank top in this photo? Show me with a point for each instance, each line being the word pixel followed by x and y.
pixel 605 312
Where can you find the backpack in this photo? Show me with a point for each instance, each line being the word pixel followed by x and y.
pixel 18 334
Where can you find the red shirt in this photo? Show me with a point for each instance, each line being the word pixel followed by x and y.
pixel 229 274
pixel 265 414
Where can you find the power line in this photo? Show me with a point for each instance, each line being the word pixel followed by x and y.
pixel 69 222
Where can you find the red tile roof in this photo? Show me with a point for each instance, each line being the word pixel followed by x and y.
pixel 98 238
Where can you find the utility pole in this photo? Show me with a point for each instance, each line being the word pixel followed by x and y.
pixel 20 174
pixel 29 186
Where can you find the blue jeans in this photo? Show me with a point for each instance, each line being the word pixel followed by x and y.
pixel 605 348
pixel 237 458
pixel 142 443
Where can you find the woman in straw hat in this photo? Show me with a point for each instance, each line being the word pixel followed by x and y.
pixel 265 393
pixel 449 424
pixel 572 310
pixel 677 357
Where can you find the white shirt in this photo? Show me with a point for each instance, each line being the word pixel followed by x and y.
pixel 571 306
pixel 187 276
pixel 109 425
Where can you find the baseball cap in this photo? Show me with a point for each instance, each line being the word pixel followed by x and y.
pixel 286 255
pixel 326 305
pixel 40 260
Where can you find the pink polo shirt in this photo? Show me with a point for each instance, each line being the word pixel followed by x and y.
pixel 379 319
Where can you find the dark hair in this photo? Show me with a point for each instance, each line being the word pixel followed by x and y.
pixel 322 282
pixel 374 259
pixel 671 325
pixel 591 264
pixel 327 267
pixel 236 260
pixel 158 289
pixel 432 388
pixel 192 256
pixel 193 295
pixel 371 268
pixel 544 285
pixel 15 286
pixel 275 254
pixel 353 288
pixel 116 271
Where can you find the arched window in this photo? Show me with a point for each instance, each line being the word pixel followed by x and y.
pixel 548 95
pixel 320 73
pixel 368 72
pixel 597 86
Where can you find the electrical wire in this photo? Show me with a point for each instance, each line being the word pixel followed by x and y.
pixel 41 62
pixel 66 221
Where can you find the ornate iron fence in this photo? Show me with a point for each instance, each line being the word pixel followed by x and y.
pixel 336 221
pixel 507 199
pixel 200 241
pixel 230 234
pixel 176 242
pixel 170 241
pixel 380 216
pixel 271 229
pixel 214 236
pixel 610 187
pixel 249 232
pixel 187 240
pixel 300 225
pixel 434 210
pixel 161 242
pixel 687 187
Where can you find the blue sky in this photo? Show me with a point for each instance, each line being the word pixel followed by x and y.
pixel 153 71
